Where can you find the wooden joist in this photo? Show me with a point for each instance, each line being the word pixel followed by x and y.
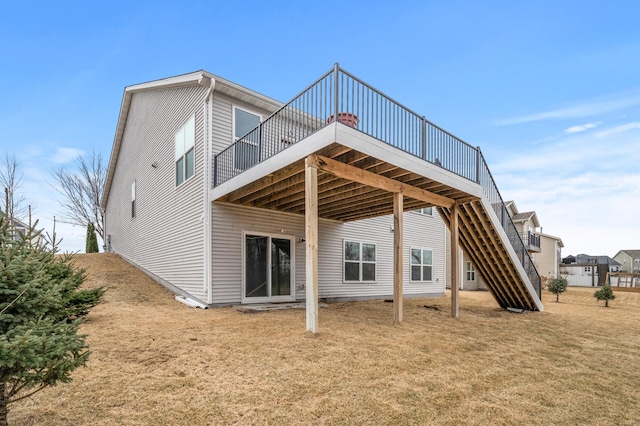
pixel 368 178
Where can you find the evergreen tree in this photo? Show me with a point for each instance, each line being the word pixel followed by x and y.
pixel 606 294
pixel 92 239
pixel 41 309
pixel 557 285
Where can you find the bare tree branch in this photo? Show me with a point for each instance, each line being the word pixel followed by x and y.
pixel 82 184
pixel 11 181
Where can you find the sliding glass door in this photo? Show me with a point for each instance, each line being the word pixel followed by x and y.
pixel 267 268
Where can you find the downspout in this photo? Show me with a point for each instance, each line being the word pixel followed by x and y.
pixel 207 108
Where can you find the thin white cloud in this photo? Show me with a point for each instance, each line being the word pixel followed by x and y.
pixel 586 109
pixel 618 129
pixel 582 127
pixel 64 155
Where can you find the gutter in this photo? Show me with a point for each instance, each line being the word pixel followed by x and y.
pixel 207 109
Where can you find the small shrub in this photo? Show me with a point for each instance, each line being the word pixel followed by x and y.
pixel 92 240
pixel 606 294
pixel 557 285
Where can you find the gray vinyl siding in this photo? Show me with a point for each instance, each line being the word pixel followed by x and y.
pixel 222 134
pixel 229 222
pixel 166 237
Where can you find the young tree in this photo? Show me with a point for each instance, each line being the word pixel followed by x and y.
pixel 92 240
pixel 11 182
pixel 556 286
pixel 41 309
pixel 81 185
pixel 606 294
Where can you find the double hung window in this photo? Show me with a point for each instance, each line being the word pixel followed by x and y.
pixel 421 264
pixel 133 199
pixel 185 151
pixel 471 272
pixel 359 262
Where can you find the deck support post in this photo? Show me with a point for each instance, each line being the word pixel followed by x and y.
pixel 397 256
pixel 311 237
pixel 455 268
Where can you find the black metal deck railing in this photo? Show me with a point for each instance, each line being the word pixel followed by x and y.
pixel 531 240
pixel 338 95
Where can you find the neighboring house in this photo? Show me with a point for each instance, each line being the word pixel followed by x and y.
pixel 226 196
pixel 19 228
pixel 629 260
pixel 550 256
pixel 544 249
pixel 587 271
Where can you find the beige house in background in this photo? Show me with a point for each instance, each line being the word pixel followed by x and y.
pixel 629 260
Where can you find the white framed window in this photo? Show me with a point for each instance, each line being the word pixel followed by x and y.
pixel 471 272
pixel 185 151
pixel 421 264
pixel 133 199
pixel 246 152
pixel 427 211
pixel 359 261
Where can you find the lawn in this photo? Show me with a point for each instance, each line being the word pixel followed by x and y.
pixel 158 362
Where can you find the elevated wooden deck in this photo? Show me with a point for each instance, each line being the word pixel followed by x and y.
pixel 357 178
pixel 342 150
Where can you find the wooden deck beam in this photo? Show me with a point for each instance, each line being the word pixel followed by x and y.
pixel 368 178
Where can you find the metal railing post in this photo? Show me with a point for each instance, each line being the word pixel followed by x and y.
pixel 478 165
pixel 336 69
pixel 424 138
pixel 260 143
pixel 215 171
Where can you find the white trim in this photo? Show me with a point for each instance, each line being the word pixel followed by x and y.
pixel 183 157
pixel 360 262
pixel 470 268
pixel 234 107
pixel 292 272
pixel 133 206
pixel 421 280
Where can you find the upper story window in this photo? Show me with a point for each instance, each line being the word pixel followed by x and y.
pixel 359 261
pixel 426 211
pixel 246 152
pixel 185 151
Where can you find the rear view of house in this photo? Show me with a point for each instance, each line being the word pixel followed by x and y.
pixel 227 196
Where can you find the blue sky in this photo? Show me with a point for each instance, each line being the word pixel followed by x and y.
pixel 550 91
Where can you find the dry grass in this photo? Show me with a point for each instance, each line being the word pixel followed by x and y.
pixel 156 361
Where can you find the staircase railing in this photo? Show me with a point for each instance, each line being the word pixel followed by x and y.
pixel 338 95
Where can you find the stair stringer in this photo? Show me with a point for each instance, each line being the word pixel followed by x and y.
pixel 485 242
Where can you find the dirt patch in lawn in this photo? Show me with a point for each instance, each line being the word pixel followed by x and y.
pixel 156 361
